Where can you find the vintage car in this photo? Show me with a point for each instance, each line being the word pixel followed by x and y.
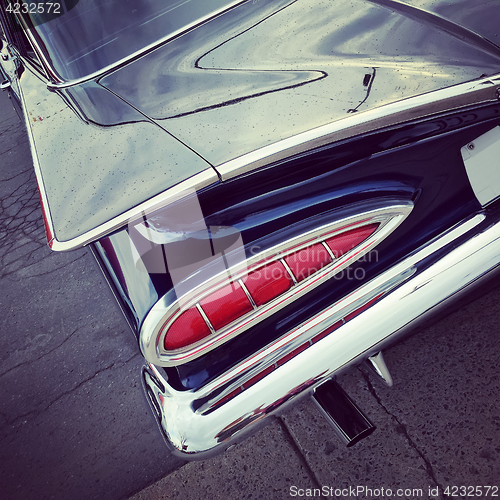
pixel 275 191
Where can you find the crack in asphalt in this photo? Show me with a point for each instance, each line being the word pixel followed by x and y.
pixel 21 224
pixel 15 146
pixel 73 389
pixel 59 267
pixel 22 233
pixel 292 441
pixel 24 363
pixel 402 428
pixel 21 172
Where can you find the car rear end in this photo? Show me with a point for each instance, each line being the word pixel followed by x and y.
pixel 265 285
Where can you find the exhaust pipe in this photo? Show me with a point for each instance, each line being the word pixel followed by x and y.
pixel 348 421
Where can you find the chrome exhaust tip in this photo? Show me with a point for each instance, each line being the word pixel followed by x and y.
pixel 348 421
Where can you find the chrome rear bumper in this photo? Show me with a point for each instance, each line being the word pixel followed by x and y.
pixel 200 423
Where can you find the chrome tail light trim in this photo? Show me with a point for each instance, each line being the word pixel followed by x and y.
pixel 163 314
pixel 192 434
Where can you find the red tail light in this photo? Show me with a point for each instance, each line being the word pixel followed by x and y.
pixel 188 328
pixel 246 292
pixel 225 305
pixel 308 260
pixel 268 282
pixel 225 308
pixel 343 243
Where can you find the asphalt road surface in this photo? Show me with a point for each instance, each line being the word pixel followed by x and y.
pixel 74 425
pixel 73 420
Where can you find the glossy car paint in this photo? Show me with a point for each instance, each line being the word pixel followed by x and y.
pixel 262 73
pixel 307 186
pixel 91 173
pixel 240 98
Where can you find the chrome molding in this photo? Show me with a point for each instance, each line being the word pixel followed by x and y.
pixel 247 293
pixel 163 313
pixel 49 72
pixel 205 318
pixel 196 182
pixel 194 434
pixel 289 271
pixel 451 98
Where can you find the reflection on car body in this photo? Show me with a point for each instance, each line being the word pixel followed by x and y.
pixel 275 191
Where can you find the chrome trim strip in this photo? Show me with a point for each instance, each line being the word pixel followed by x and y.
pixel 379 367
pixel 457 96
pixel 198 181
pixel 247 293
pixel 196 435
pixel 163 313
pixel 480 157
pixel 289 271
pixel 205 317
pixel 60 83
pixel 328 249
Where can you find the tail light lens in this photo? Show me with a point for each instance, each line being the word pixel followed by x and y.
pixel 268 283
pixel 226 305
pixel 308 260
pixel 234 301
pixel 188 328
pixel 342 243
